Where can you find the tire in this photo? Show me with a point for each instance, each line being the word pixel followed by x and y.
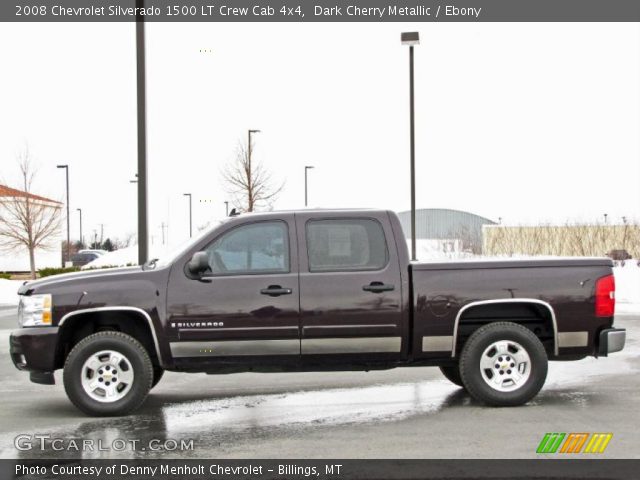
pixel 452 373
pixel 503 347
pixel 158 372
pixel 107 374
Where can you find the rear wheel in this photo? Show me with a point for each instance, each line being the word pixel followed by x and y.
pixel 452 373
pixel 503 364
pixel 108 373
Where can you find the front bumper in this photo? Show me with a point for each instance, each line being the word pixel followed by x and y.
pixel 34 349
pixel 611 340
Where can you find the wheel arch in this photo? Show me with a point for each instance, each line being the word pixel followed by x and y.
pixel 78 324
pixel 486 304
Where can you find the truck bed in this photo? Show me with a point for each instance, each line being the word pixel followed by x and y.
pixel 449 297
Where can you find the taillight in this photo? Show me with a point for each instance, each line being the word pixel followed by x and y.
pixel 605 296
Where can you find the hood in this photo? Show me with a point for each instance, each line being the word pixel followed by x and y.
pixel 67 279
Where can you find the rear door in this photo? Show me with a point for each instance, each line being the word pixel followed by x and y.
pixel 350 287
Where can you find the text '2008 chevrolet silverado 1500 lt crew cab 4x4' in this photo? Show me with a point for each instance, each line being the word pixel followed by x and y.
pixel 312 290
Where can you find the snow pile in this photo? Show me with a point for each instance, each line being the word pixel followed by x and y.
pixel 627 287
pixel 9 292
pixel 125 256
pixel 430 250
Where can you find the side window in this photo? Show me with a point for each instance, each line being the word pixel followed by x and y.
pixel 346 244
pixel 261 247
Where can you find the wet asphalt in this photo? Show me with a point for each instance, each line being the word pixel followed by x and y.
pixel 401 413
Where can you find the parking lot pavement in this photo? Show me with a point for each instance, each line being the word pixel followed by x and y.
pixel 7 317
pixel 402 413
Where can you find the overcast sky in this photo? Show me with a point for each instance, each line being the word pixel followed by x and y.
pixel 528 122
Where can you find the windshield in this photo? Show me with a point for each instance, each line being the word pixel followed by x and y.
pixel 184 246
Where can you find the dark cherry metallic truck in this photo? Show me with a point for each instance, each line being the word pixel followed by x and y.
pixel 312 290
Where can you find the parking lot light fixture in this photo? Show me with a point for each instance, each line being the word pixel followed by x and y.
pixel 411 39
pixel 66 169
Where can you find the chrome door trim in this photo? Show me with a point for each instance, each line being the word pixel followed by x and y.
pixel 437 343
pixel 232 348
pixel 321 346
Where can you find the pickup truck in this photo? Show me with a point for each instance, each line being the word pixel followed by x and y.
pixel 312 290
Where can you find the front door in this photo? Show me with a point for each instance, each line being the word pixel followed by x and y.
pixel 350 289
pixel 247 306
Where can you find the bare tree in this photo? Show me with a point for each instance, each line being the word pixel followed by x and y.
pixel 27 220
pixel 249 182
pixel 125 241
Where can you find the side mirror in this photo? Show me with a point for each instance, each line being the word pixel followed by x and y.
pixel 199 263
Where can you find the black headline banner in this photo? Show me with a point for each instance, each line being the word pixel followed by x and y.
pixel 320 10
pixel 586 469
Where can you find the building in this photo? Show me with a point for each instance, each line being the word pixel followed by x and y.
pixel 17 259
pixel 445 233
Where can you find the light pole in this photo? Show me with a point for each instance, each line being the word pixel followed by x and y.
pixel 66 171
pixel 306 169
pixel 411 39
pixel 81 239
pixel 249 183
pixel 143 233
pixel 190 223
pixel 226 206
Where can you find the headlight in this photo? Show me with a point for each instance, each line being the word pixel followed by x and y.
pixel 34 310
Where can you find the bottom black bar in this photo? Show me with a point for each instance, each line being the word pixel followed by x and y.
pixel 535 469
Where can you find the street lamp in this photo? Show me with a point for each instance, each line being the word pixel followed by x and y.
pixel 81 239
pixel 66 171
pixel 411 39
pixel 190 224
pixel 249 132
pixel 306 169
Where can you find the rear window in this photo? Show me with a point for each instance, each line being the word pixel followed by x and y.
pixel 346 245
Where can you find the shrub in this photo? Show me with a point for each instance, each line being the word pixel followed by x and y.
pixel 5 276
pixel 47 272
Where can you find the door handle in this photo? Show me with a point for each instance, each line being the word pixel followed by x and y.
pixel 275 291
pixel 378 287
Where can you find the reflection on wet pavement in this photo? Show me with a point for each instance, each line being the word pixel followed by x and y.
pixel 333 406
pixel 211 422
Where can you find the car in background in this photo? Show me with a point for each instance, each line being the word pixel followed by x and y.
pixel 96 251
pixel 619 256
pixel 83 257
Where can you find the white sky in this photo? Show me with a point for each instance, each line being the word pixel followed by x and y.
pixel 528 122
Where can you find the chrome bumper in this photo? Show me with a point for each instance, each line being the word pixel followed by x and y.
pixel 611 340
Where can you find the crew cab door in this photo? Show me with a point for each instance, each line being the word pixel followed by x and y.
pixel 350 288
pixel 247 306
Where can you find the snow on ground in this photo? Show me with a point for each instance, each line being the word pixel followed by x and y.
pixel 9 292
pixel 627 287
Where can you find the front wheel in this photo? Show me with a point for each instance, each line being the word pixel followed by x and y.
pixel 108 373
pixel 503 364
